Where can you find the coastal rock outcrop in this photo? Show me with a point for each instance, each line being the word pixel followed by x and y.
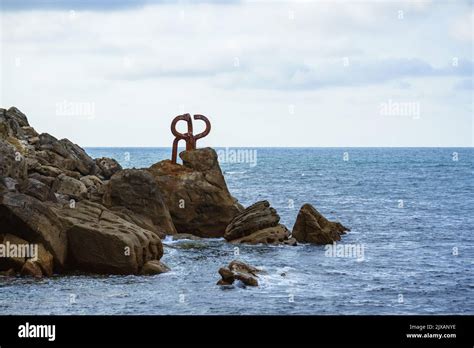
pixel 102 242
pixel 196 193
pixel 312 227
pixel 50 196
pixel 34 221
pixel 135 195
pixel 237 270
pixel 258 224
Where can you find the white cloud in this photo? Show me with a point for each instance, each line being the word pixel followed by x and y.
pixel 242 64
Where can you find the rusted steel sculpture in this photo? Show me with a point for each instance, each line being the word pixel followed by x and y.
pixel 189 137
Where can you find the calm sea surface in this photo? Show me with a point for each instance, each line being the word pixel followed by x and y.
pixel 410 208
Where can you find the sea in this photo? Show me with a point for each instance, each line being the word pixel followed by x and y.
pixel 410 249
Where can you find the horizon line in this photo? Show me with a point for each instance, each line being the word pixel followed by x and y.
pixel 288 147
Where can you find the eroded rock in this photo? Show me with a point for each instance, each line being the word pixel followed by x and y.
pixel 258 224
pixel 135 195
pixel 238 270
pixel 312 227
pixel 196 193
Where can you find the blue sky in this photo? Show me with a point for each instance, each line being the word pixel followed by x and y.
pixel 282 73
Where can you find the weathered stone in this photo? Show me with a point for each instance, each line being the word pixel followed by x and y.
pixel 154 267
pixel 31 269
pixel 102 242
pixel 12 162
pixel 107 166
pixel 258 224
pixel 256 217
pixel 69 186
pixel 278 234
pixel 238 270
pixel 45 261
pixel 134 193
pixel 38 189
pixel 312 227
pixel 34 221
pixel 196 193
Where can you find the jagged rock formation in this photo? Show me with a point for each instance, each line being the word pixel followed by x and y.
pixel 258 224
pixel 312 227
pixel 50 195
pixel 93 216
pixel 237 270
pixel 196 193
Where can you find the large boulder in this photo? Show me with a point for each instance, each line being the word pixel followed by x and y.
pixel 258 224
pixel 196 193
pixel 34 221
pixel 102 242
pixel 312 227
pixel 135 195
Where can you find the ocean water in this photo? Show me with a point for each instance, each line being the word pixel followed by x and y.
pixel 411 209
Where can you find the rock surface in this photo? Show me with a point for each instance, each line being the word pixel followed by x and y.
pixel 92 215
pixel 102 242
pixel 196 193
pixel 258 224
pixel 154 267
pixel 238 270
pixel 50 195
pixel 312 227
pixel 137 194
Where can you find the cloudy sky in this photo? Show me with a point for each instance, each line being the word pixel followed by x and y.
pixel 307 73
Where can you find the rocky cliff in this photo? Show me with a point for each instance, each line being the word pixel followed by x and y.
pixel 92 215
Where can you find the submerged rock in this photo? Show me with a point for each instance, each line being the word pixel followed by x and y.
pixel 196 193
pixel 154 267
pixel 238 270
pixel 258 224
pixel 312 227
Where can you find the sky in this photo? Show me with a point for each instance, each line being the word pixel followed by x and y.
pixel 274 73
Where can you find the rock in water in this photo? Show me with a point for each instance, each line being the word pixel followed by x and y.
pixel 34 221
pixel 102 242
pixel 196 193
pixel 31 269
pixel 154 267
pixel 312 227
pixel 238 270
pixel 258 224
